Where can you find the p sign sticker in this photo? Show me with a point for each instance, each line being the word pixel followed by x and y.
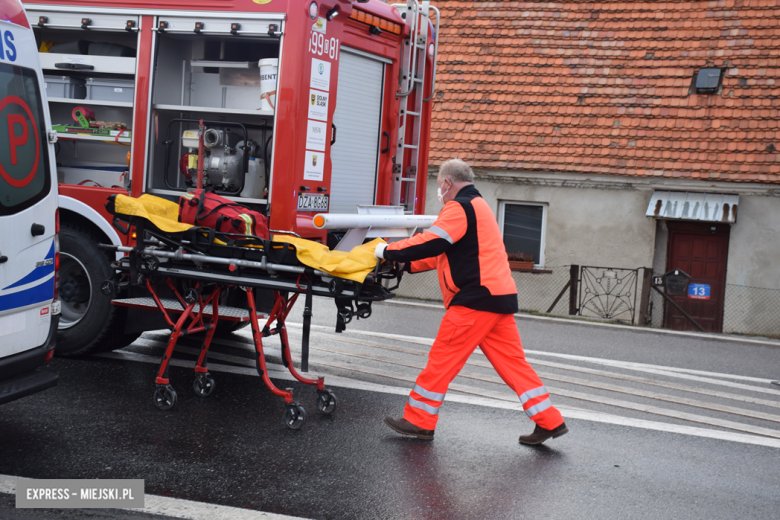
pixel 19 163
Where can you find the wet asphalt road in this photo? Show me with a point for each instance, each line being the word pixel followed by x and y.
pixel 231 449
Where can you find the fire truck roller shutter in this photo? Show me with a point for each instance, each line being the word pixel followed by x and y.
pixel 358 115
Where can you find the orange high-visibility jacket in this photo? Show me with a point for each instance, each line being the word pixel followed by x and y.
pixel 465 246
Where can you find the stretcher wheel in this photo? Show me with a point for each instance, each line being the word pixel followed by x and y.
pixel 152 263
pixel 326 401
pixel 164 397
pixel 191 295
pixel 364 311
pixel 294 416
pixel 203 385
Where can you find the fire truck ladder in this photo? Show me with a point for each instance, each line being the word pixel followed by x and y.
pixel 411 83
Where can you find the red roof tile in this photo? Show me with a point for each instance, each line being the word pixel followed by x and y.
pixel 604 87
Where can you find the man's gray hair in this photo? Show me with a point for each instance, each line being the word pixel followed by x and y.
pixel 456 170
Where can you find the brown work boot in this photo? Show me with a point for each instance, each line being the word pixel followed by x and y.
pixel 404 427
pixel 540 435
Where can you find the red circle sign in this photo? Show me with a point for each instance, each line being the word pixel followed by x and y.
pixel 21 183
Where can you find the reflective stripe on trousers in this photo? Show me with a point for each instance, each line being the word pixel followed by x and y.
pixel 535 409
pixel 535 392
pixel 427 394
pixel 433 396
pixel 538 407
pixel 433 410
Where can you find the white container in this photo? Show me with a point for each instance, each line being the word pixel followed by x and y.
pixel 254 183
pixel 268 73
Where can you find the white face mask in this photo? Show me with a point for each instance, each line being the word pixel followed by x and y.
pixel 441 195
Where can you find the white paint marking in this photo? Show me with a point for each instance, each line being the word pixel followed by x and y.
pixel 633 328
pixel 573 368
pixel 639 367
pixel 670 371
pixel 468 374
pixel 655 410
pixel 178 507
pixel 497 401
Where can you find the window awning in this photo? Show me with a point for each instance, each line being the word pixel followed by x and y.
pixel 685 205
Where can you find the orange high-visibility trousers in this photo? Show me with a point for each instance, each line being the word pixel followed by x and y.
pixel 460 332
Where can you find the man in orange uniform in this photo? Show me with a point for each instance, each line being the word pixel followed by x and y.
pixel 465 246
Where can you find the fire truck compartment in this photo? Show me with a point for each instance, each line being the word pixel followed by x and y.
pixel 211 76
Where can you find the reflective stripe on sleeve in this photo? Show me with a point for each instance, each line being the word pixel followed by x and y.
pixel 534 392
pixel 428 394
pixel 433 410
pixel 436 230
pixel 544 405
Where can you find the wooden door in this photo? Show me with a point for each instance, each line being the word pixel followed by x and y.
pixel 701 250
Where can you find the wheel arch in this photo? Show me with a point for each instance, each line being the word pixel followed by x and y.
pixel 76 212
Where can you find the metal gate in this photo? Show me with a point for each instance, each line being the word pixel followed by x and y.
pixel 608 292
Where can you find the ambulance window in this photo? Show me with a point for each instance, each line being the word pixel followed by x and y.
pixel 24 158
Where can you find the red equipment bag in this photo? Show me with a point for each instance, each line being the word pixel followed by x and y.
pixel 207 209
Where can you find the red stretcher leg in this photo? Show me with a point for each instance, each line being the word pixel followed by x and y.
pixel 287 358
pixel 326 399
pixel 201 367
pixel 204 384
pixel 260 356
pixel 162 373
pixel 164 394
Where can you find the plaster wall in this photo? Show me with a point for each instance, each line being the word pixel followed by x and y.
pixel 754 245
pixel 752 302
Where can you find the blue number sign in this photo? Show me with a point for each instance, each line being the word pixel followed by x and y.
pixel 699 291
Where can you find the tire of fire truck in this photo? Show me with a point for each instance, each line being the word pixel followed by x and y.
pixel 264 302
pixel 89 323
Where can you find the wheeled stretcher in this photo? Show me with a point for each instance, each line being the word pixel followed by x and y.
pixel 183 271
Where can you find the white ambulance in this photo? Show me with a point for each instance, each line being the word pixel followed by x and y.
pixel 29 249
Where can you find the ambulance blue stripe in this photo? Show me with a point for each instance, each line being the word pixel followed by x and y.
pixel 38 272
pixel 40 293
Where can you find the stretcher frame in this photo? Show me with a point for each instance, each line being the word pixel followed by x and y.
pixel 161 259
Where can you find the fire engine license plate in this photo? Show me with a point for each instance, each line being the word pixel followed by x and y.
pixel 308 202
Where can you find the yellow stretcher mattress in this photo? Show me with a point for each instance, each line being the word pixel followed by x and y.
pixel 353 265
pixel 163 213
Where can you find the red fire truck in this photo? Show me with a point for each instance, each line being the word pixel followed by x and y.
pixel 307 106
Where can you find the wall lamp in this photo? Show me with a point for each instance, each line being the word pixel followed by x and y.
pixel 333 13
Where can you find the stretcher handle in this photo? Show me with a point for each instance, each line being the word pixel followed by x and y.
pixel 116 225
